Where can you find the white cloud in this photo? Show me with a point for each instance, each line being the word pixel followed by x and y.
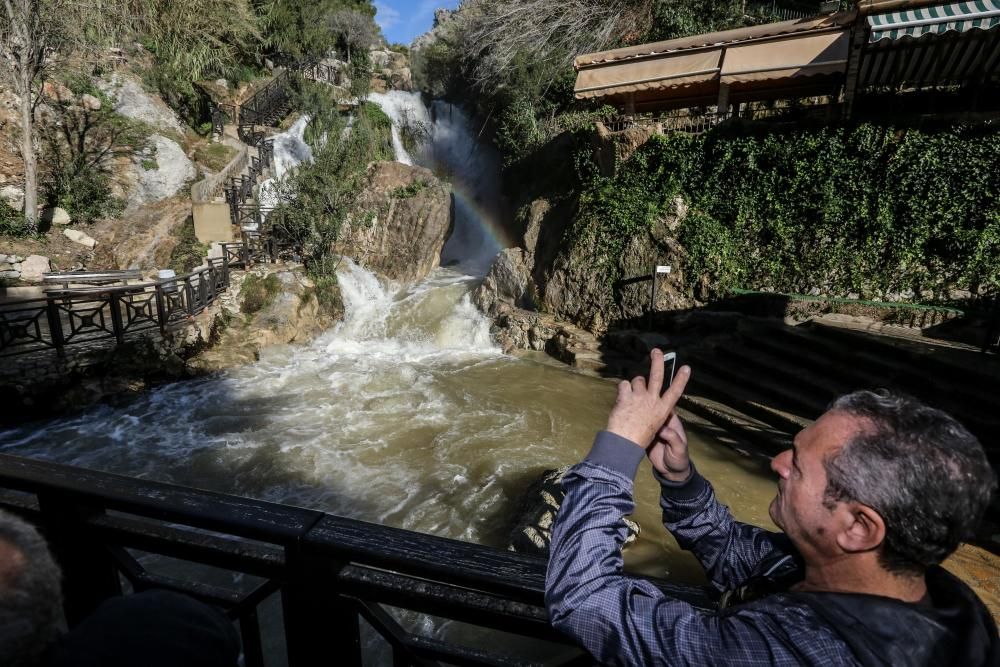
pixel 385 16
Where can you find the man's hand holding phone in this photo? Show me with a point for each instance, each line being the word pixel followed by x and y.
pixel 644 414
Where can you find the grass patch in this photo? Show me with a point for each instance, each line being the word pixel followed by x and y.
pixel 410 190
pixel 257 293
pixel 213 156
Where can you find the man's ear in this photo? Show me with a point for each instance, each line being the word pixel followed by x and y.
pixel 863 528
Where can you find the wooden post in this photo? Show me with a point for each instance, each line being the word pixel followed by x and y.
pixel 722 105
pixel 89 573
pixel 630 104
pixel 116 317
pixel 55 326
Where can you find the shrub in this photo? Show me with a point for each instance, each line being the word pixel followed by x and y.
pixel 12 222
pixel 257 293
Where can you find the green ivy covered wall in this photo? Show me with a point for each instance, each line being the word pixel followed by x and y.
pixel 862 211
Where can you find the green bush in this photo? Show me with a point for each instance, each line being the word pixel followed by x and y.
pixel 12 222
pixel 84 193
pixel 866 210
pixel 257 293
pixel 189 253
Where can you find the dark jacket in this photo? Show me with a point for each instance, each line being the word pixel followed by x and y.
pixel 627 621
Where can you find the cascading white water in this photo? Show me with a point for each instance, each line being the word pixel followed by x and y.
pixel 290 150
pixel 472 167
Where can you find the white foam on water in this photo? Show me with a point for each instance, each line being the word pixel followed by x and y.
pixel 290 150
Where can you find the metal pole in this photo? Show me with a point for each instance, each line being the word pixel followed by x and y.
pixel 652 299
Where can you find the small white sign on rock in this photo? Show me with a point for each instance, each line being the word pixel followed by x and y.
pixel 79 237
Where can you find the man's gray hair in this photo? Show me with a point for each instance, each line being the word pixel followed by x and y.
pixel 922 471
pixel 30 593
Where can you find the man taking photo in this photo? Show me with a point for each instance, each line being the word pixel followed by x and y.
pixel 872 497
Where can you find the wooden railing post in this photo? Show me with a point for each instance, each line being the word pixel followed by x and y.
pixel 316 617
pixel 89 573
pixel 55 325
pixel 114 304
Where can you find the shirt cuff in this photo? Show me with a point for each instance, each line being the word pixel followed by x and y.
pixel 689 489
pixel 617 453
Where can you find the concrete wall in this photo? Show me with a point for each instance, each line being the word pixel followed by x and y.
pixel 211 222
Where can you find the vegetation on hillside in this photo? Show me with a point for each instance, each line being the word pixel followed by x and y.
pixel 188 40
pixel 870 211
pixel 510 61
pixel 316 199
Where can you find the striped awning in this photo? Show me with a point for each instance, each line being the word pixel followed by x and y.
pixel 935 20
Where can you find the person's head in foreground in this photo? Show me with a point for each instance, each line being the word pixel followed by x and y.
pixel 881 482
pixel 30 593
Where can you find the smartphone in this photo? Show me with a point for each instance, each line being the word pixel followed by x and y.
pixel 669 366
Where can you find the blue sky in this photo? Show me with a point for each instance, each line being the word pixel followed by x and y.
pixel 402 20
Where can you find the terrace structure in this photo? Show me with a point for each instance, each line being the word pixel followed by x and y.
pixel 944 56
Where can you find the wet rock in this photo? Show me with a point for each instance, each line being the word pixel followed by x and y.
pixel 56 216
pixel 400 222
pixel 33 267
pixel 532 526
pixel 509 280
pixel 79 237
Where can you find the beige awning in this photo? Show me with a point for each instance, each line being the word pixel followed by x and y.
pixel 800 55
pixel 658 72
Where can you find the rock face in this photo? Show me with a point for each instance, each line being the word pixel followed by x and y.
pixel 400 224
pixel 33 267
pixel 293 314
pixel 532 529
pixel 558 280
pixel 133 102
pixel 171 172
pixel 391 71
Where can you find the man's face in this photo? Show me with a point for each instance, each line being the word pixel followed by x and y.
pixel 800 508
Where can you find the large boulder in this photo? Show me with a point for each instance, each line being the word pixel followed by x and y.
pixel 33 267
pixel 400 223
pixel 508 281
pixel 531 532
pixel 160 173
pixel 77 236
pixel 131 101
pixel 56 216
pixel 13 196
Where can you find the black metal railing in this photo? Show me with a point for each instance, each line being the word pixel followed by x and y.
pixel 784 10
pixel 265 105
pixel 694 122
pixel 96 316
pixel 308 575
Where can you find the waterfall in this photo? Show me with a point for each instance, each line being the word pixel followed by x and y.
pixel 453 151
pixel 290 150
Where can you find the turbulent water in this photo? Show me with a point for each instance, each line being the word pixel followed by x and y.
pixel 405 414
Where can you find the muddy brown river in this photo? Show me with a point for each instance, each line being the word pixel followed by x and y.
pixel 405 415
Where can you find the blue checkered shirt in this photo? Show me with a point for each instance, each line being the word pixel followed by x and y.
pixel 624 620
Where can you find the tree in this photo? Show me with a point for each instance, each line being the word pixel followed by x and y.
pixel 31 33
pixel 355 29
pixel 498 34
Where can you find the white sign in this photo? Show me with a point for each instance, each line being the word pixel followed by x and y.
pixel 663 269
